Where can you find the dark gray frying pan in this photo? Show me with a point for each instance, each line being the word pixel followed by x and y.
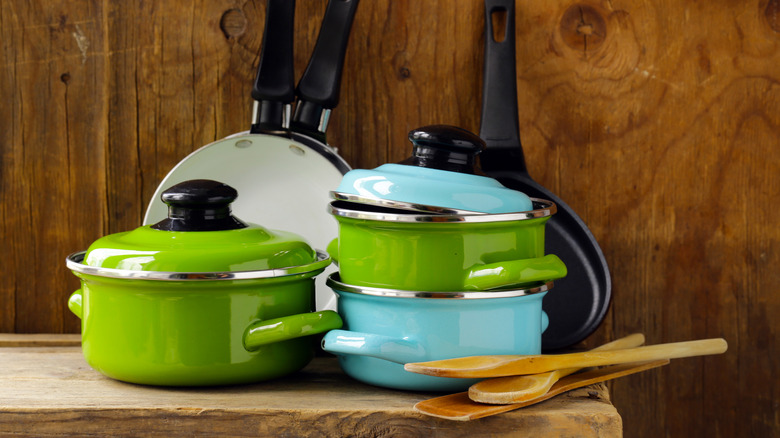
pixel 578 303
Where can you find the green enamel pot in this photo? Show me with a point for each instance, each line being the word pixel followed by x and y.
pixel 387 248
pixel 199 298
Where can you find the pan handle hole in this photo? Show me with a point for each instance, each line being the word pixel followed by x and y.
pixel 498 19
pixel 297 150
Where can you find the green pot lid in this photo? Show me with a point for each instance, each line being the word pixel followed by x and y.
pixel 200 235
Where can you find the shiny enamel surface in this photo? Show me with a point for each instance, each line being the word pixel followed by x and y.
pixel 381 333
pixel 198 333
pixel 249 249
pixel 440 189
pixel 444 256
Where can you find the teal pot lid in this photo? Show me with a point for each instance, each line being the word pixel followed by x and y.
pixel 200 235
pixel 441 176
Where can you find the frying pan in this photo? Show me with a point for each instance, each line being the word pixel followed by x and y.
pixel 282 168
pixel 581 299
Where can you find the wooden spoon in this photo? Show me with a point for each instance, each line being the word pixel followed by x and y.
pixel 460 407
pixel 513 365
pixel 516 389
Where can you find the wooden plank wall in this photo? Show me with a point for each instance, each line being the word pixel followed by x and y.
pixel 658 122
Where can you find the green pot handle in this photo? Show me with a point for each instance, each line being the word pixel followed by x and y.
pixel 514 272
pixel 333 250
pixel 74 303
pixel 269 331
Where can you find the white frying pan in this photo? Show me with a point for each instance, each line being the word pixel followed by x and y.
pixel 283 170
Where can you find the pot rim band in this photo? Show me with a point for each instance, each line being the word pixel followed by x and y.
pixel 400 205
pixel 542 208
pixel 334 282
pixel 74 263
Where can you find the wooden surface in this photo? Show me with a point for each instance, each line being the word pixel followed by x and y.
pixel 658 122
pixel 51 391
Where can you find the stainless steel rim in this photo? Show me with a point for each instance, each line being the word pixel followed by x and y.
pixel 74 263
pixel 542 208
pixel 334 282
pixel 400 205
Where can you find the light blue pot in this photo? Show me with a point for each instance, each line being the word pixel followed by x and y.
pixel 386 328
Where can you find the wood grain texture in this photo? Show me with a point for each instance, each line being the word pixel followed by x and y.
pixel 53 392
pixel 658 122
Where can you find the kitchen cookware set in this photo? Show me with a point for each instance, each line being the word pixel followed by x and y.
pixel 434 257
pixel 453 271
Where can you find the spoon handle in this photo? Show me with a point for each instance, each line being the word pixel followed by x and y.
pixel 515 389
pixel 511 365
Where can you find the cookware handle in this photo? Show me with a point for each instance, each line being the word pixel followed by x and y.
pixel 499 126
pixel 74 303
pixel 274 87
pixel 373 345
pixel 513 272
pixel 318 89
pixel 289 327
pixel 333 250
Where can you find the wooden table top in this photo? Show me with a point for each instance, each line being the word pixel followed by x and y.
pixel 46 388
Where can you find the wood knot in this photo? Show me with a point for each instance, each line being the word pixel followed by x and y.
pixel 772 14
pixel 233 23
pixel 65 78
pixel 404 73
pixel 583 27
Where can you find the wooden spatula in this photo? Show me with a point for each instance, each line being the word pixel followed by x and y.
pixel 460 407
pixel 513 365
pixel 516 389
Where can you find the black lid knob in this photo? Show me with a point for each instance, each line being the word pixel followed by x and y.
pixel 199 205
pixel 445 147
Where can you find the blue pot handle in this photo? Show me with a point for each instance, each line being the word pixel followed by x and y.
pixel 545 321
pixel 369 344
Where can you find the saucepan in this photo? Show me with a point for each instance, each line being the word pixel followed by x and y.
pixel 200 298
pixel 385 328
pixel 439 252
pixel 434 222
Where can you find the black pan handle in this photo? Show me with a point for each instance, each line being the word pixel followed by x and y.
pixel 274 87
pixel 499 126
pixel 318 89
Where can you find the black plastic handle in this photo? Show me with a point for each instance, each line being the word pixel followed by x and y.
pixel 199 205
pixel 318 89
pixel 499 126
pixel 445 147
pixel 274 85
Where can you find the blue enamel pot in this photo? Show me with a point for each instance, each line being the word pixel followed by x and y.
pixel 386 328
